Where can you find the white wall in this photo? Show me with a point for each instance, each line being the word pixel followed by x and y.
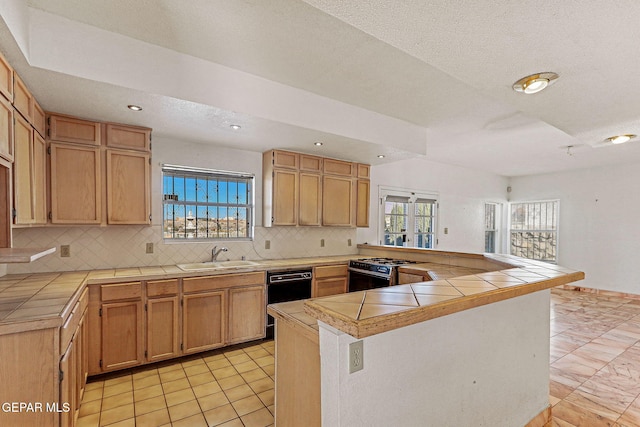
pixel 599 222
pixel 487 366
pixel 462 195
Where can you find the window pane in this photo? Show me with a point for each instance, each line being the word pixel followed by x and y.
pixel 534 235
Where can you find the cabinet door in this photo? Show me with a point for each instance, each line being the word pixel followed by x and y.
pixel 335 285
pixel 39 176
pixel 70 129
pixel 162 328
pixel 22 98
pixel 247 313
pixel 75 184
pixel 203 324
pixel 310 199
pixel 23 186
pixel 285 159
pixel 338 201
pixel 285 197
pixel 39 118
pixel 128 188
pixel 362 209
pixel 5 204
pixel 6 129
pixel 6 79
pixel 122 341
pixel 339 167
pixel 68 386
pixel 129 137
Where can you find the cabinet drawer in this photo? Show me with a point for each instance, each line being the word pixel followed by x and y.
pixel 121 291
pixel 162 288
pixel 71 325
pixel 339 167
pixel 207 283
pixel 330 271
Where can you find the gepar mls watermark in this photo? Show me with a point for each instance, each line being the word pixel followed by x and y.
pixel 35 407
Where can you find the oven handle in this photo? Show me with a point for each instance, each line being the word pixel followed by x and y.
pixel 369 273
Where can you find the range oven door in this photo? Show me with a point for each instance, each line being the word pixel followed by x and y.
pixel 361 281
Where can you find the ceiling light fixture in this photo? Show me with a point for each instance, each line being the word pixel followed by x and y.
pixel 381 156
pixel 535 82
pixel 318 144
pixel 134 107
pixel 620 139
pixel 235 127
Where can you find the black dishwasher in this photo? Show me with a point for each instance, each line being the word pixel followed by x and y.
pixel 283 286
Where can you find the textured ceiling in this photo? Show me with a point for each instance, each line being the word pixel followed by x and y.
pixel 441 66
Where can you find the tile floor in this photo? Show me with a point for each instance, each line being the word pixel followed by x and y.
pixel 233 387
pixel 595 376
pixel 595 360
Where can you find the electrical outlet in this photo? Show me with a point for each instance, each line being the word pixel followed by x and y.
pixel 267 244
pixel 356 356
pixel 322 243
pixel 65 251
pixel 446 230
pixel 149 248
pixel 348 242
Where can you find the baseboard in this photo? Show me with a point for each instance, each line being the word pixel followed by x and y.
pixel 601 292
pixel 543 419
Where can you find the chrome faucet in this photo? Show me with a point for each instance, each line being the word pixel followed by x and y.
pixel 215 252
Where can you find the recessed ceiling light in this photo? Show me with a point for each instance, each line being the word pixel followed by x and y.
pixel 235 127
pixel 134 107
pixel 318 144
pixel 535 82
pixel 620 139
pixel 381 156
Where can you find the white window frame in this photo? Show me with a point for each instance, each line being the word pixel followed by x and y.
pixel 213 175
pixel 411 196
pixel 497 230
pixel 556 231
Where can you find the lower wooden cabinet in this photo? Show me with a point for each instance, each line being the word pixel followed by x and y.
pixel 68 395
pixel 246 314
pixel 162 328
pixel 122 342
pixel 329 280
pixel 203 319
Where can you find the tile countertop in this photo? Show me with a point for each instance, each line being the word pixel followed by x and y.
pixel 366 313
pixel 44 300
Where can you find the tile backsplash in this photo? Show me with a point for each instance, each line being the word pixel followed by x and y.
pixel 94 248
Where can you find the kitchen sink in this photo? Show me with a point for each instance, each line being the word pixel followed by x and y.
pixel 216 265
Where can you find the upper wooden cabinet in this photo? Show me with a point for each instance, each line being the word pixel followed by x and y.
pixel 6 79
pixel 129 137
pixel 74 130
pixel 128 187
pixel 22 98
pixel 6 129
pixel 75 184
pixel 29 174
pixel 39 119
pixel 362 204
pixel 306 190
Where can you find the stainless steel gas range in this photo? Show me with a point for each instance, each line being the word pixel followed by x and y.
pixel 371 273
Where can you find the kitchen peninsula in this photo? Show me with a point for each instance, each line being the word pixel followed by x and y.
pixel 468 350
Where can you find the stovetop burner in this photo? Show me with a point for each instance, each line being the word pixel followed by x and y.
pixel 385 261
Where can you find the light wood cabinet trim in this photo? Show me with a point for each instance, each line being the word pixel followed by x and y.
pixel 363 171
pixel 71 129
pixel 310 163
pixel 67 384
pixel 122 335
pixel 203 321
pixel 338 167
pixel 128 187
pixel 22 169
pixel 6 130
pixel 39 118
pixel 157 288
pixel 5 204
pixel 128 137
pixel 39 176
pixel 362 203
pixel 163 328
pixel 310 199
pixel 70 326
pixel 285 159
pixel 247 313
pixel 121 291
pixel 338 201
pixel 208 283
pixel 6 79
pixel 22 98
pixel 77 172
